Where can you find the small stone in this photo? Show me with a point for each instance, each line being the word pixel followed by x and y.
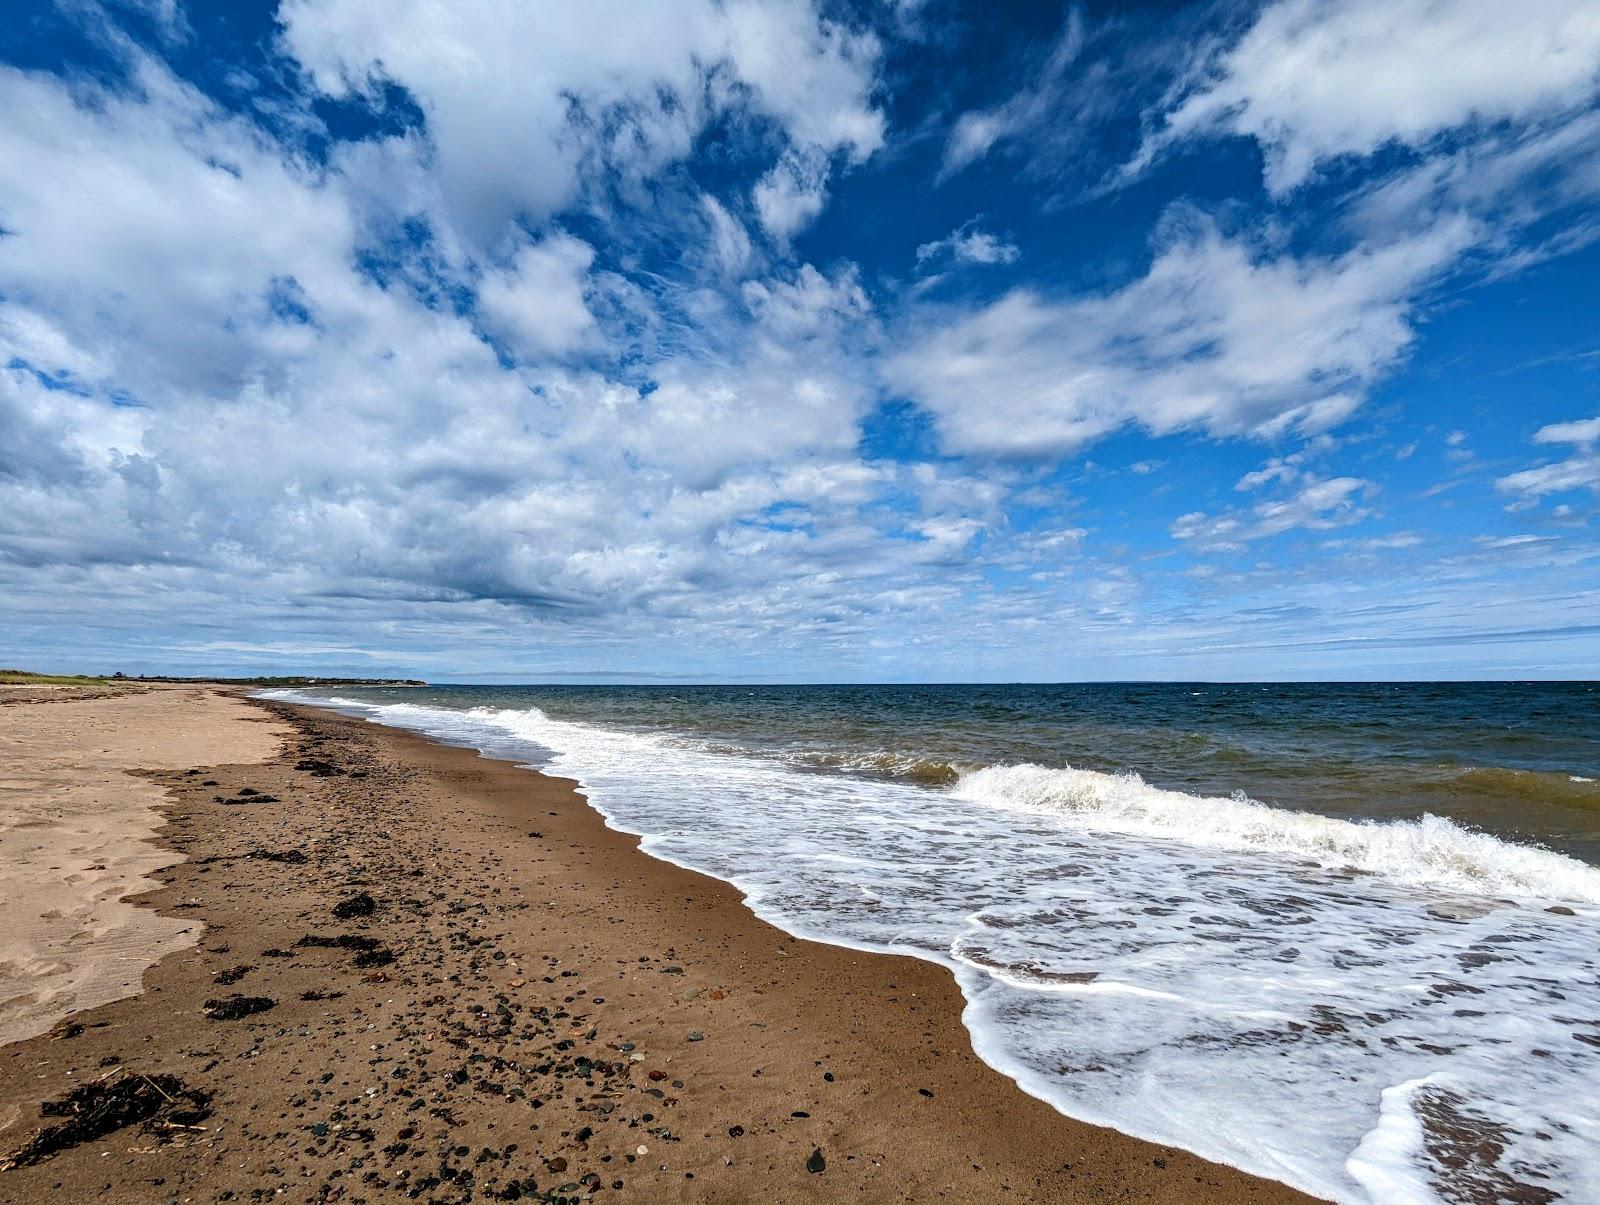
pixel 816 1163
pixel 696 1036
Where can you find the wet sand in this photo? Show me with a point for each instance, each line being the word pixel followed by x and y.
pixel 529 1009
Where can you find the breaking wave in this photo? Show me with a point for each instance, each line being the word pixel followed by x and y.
pixel 1429 852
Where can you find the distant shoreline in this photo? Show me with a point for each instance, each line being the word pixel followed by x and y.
pixel 22 677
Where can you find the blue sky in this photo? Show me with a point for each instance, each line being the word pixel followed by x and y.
pixel 790 340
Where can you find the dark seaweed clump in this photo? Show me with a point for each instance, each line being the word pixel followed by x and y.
pixel 345 941
pixel 160 1103
pixel 356 905
pixel 236 1006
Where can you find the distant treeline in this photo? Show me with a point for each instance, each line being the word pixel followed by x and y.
pixel 23 677
pixel 290 681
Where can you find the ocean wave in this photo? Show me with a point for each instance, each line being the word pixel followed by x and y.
pixel 904 767
pixel 1432 851
pixel 1535 786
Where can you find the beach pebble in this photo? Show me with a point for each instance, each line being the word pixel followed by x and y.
pixel 816 1163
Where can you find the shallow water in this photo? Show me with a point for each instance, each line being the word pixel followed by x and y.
pixel 1305 930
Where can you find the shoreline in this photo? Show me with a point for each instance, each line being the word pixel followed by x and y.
pixel 542 999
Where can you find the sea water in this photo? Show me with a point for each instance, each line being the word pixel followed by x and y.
pixel 1345 937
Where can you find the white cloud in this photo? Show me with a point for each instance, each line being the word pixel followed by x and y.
pixel 1037 102
pixel 524 103
pixel 1212 337
pixel 1319 504
pixel 1517 176
pixel 970 245
pixel 1313 80
pixel 730 243
pixel 815 75
pixel 194 283
pixel 1501 543
pixel 1580 431
pixel 1580 470
pixel 312 441
pixel 1390 543
pixel 791 195
pixel 536 305
pixel 972 136
pixel 1282 469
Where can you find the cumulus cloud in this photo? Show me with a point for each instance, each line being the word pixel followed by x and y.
pixel 1213 337
pixel 1311 81
pixel 526 104
pixel 536 304
pixel 310 436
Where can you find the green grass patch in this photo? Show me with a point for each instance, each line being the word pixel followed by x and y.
pixel 21 677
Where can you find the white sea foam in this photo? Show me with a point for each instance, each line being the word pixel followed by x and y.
pixel 1431 852
pixel 1343 1007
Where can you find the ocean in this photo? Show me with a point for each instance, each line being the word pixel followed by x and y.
pixel 1345 936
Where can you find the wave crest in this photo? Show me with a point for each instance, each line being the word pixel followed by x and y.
pixel 1432 852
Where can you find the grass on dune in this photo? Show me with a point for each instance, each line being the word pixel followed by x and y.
pixel 21 677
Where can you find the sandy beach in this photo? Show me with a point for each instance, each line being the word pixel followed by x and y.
pixel 386 969
pixel 75 837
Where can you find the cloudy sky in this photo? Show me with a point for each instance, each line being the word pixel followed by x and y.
pixel 790 339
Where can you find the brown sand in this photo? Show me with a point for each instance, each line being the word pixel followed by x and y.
pixel 75 839
pixel 562 1016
